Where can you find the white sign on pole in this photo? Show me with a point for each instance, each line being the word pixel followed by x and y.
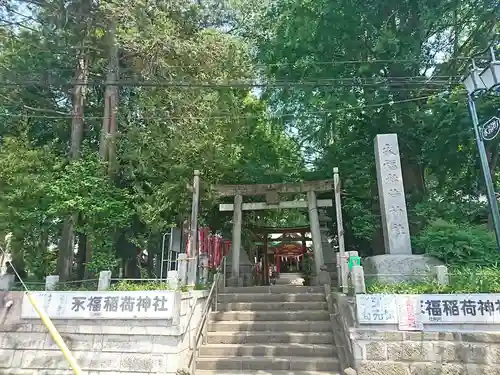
pixel 103 305
pixel 433 308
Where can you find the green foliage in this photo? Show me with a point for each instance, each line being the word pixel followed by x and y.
pixel 458 245
pixel 284 132
pixel 462 280
pixel 125 285
pixel 165 131
pixel 375 82
pixel 462 211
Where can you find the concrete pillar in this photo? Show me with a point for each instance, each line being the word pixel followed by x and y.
pixel 104 280
pixel 441 273
pixel 204 268
pixel 323 277
pixel 6 281
pixel 236 244
pixel 173 279
pixel 182 268
pixel 191 271
pixel 51 282
pixel 315 230
pixel 358 280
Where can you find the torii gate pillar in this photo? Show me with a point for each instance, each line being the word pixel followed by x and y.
pixel 236 243
pixel 315 230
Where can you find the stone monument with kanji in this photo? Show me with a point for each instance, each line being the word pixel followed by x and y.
pixel 398 263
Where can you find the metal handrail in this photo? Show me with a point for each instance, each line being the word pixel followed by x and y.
pixel 212 297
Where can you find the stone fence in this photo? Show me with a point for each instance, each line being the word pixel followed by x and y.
pixel 426 353
pixel 101 346
pixel 434 334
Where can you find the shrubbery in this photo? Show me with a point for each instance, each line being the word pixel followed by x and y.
pixel 469 251
pixel 458 244
pixel 462 280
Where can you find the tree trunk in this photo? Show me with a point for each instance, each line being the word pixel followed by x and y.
pixel 81 256
pixel 17 255
pixel 88 259
pixel 107 145
pixel 66 251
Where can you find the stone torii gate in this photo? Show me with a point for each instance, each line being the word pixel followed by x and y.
pixel 272 194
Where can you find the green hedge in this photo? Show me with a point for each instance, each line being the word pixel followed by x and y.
pixel 469 251
pixel 458 244
pixel 462 280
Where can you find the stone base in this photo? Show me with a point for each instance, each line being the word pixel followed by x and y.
pixel 234 281
pixel 244 278
pixel 290 279
pixel 389 268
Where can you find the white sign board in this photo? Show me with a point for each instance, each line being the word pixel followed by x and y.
pixel 103 305
pixel 409 314
pixel 376 309
pixel 433 308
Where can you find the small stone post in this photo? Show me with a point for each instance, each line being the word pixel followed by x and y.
pixel 204 268
pixel 51 282
pixel 441 273
pixel 191 271
pixel 358 280
pixel 104 280
pixel 6 281
pixel 173 279
pixel 324 276
pixel 182 263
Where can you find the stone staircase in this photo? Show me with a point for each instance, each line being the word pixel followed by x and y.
pixel 277 330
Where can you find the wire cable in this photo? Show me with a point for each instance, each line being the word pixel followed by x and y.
pixel 295 64
pixel 215 85
pixel 228 115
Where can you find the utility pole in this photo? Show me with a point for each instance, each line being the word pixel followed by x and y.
pixel 193 246
pixel 65 246
pixel 341 268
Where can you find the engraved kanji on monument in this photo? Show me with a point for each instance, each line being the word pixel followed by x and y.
pixel 391 195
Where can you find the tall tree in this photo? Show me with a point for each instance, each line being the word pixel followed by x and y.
pixel 377 67
pixel 83 21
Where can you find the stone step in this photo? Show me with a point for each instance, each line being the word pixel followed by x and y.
pixel 278 350
pixel 274 326
pixel 270 315
pixel 274 297
pixel 270 338
pixel 263 372
pixel 290 279
pixel 268 363
pixel 275 289
pixel 266 306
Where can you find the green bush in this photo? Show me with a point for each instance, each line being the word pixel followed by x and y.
pixel 458 244
pixel 462 280
pixel 125 286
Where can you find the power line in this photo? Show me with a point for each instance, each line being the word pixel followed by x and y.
pixel 295 64
pixel 231 85
pixel 299 113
